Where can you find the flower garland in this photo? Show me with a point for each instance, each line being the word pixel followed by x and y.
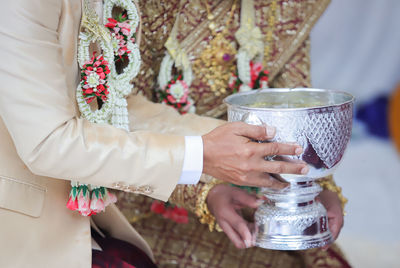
pixel 103 114
pixel 100 81
pixel 89 200
pixel 258 78
pixel 174 90
pixel 120 29
pixel 176 94
pixel 94 79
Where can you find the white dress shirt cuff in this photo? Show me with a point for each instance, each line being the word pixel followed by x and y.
pixel 193 160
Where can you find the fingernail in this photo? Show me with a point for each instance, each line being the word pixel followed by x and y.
pixel 270 131
pixel 247 243
pixel 304 170
pixel 259 202
pixel 299 150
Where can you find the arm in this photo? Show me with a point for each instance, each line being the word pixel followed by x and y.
pixel 38 109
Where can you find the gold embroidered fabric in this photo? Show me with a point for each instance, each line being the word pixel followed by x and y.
pixel 192 245
pixel 294 20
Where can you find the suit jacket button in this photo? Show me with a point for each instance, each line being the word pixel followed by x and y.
pixel 147 189
pixel 116 185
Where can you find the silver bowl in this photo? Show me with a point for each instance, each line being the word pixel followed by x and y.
pixel 320 121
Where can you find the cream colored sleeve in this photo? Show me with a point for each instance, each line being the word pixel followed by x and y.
pixel 40 115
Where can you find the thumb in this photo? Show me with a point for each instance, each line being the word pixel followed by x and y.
pixel 254 132
pixel 245 199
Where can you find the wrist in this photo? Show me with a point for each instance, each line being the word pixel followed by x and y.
pixel 212 194
pixel 206 157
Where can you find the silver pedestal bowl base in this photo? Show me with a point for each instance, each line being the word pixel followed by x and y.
pixel 294 242
pixel 292 219
pixel 292 227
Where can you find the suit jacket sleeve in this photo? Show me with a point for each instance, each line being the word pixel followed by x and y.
pixel 40 114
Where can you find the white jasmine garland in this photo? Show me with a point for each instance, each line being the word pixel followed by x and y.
pixel 122 80
pixel 114 110
pixel 243 65
pixel 102 115
pixel 165 74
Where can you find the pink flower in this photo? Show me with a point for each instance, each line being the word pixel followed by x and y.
pixel 72 203
pixel 171 99
pixel 186 108
pixel 122 44
pixel 126 31
pixel 109 198
pixel 251 84
pixel 88 90
pixel 96 203
pixel 102 75
pixel 179 91
pixel 124 24
pixel 90 99
pixel 84 202
pixel 111 23
pixel 255 69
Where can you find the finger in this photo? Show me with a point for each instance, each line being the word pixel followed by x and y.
pixel 275 148
pixel 335 221
pixel 252 228
pixel 254 132
pixel 262 179
pixel 245 199
pixel 233 236
pixel 280 167
pixel 242 229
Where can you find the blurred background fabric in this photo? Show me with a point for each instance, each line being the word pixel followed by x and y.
pixel 355 47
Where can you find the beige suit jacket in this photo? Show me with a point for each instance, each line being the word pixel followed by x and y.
pixel 44 143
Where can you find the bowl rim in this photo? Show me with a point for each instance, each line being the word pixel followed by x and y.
pixel 230 104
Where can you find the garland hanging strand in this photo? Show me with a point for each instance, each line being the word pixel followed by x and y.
pixel 100 81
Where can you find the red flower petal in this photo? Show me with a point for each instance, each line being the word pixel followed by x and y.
pixel 158 207
pixel 72 204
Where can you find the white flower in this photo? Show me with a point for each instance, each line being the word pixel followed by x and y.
pixel 115 45
pixel 93 80
pixel 177 90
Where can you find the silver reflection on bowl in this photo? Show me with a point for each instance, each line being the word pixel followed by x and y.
pixel 320 121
